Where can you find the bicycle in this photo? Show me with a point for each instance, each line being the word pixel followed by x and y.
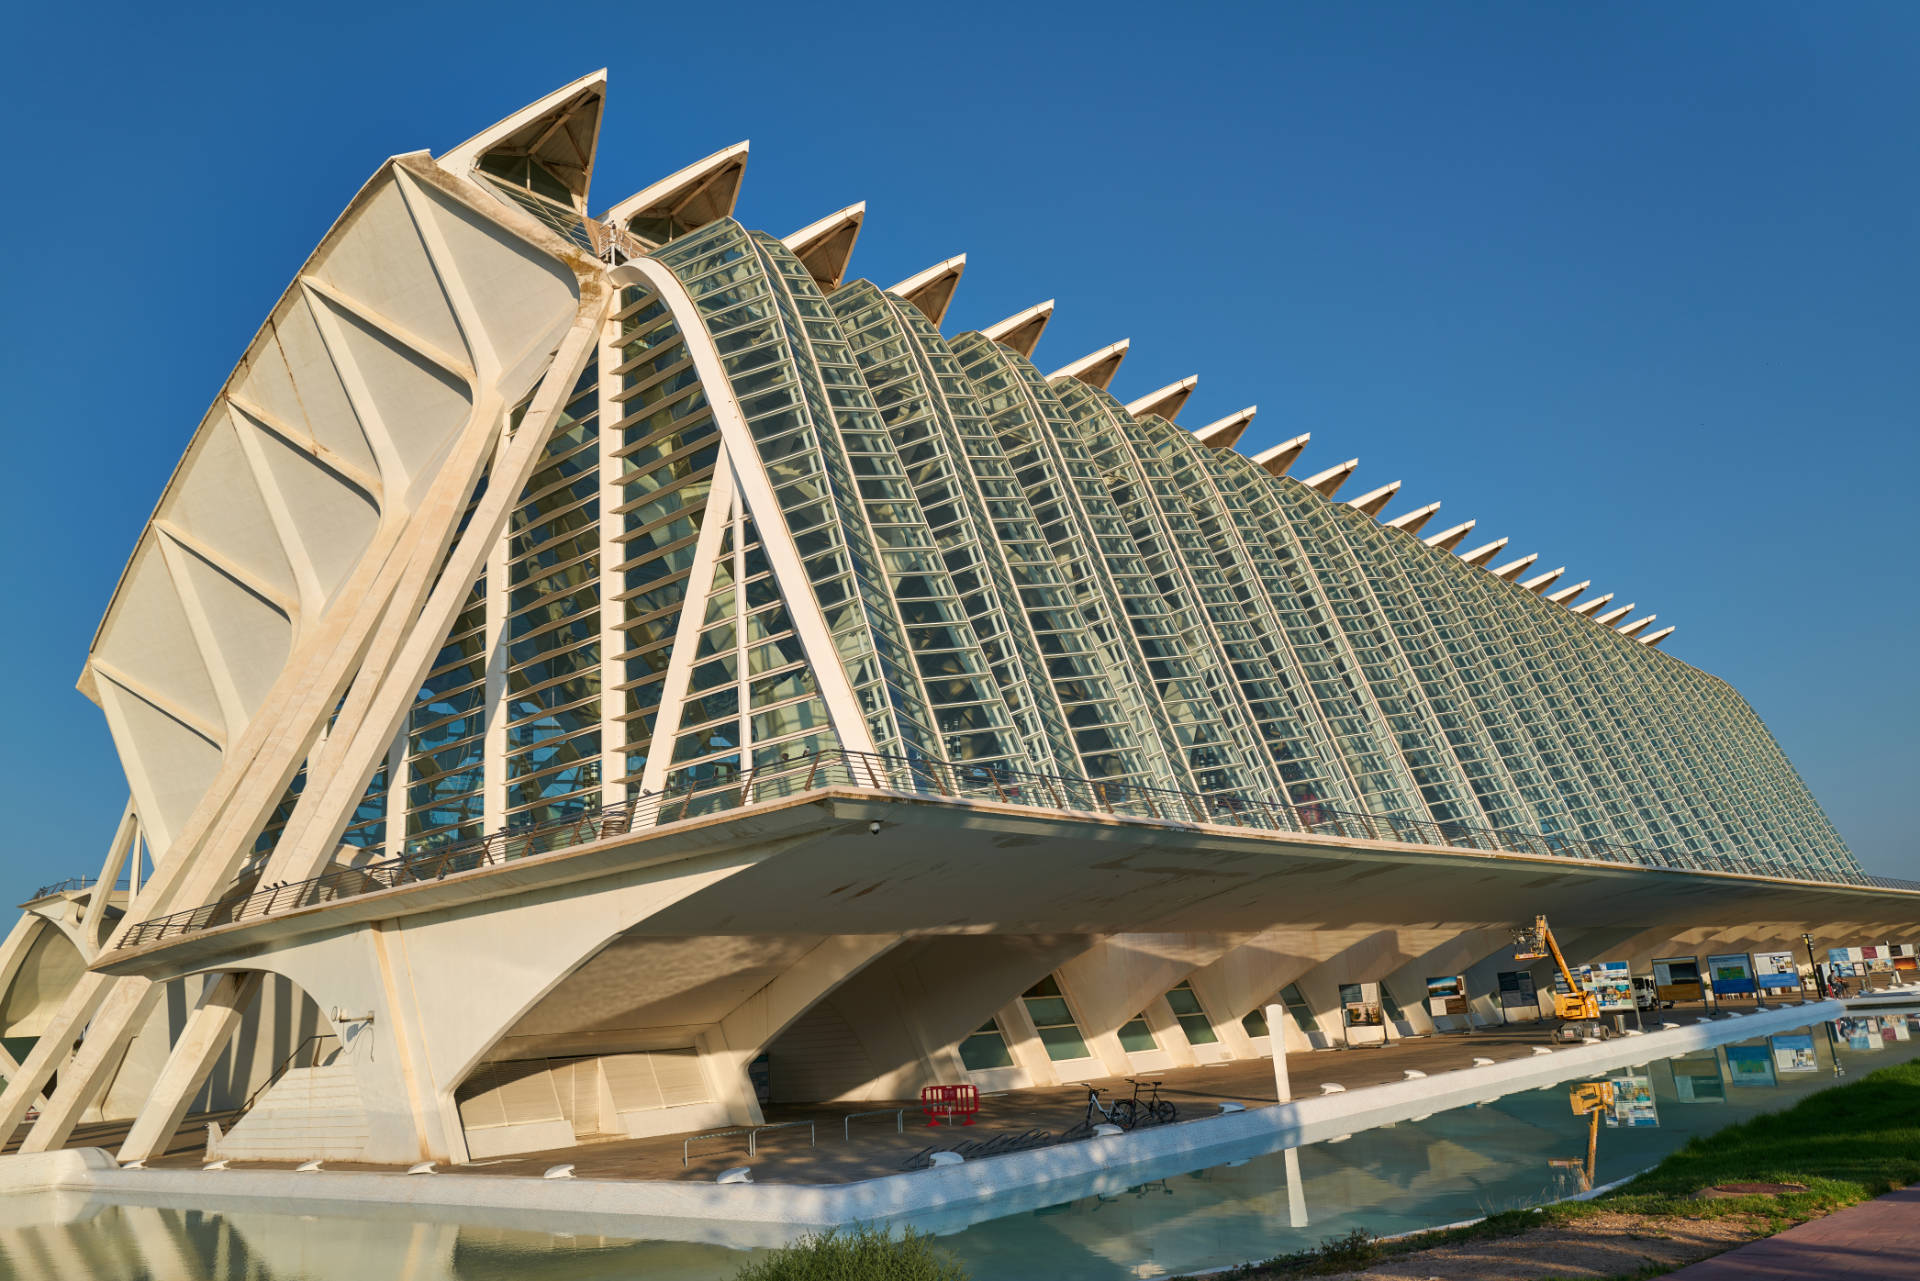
pixel 1154 1108
pixel 1123 1113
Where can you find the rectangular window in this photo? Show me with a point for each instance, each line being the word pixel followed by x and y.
pixel 1193 1018
pixel 1053 1020
pixel 1136 1037
pixel 985 1049
pixel 1299 1010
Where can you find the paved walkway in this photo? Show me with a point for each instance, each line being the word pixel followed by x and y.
pixel 1877 1241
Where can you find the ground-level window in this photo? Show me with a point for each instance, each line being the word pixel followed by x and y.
pixel 985 1049
pixel 1136 1037
pixel 1053 1020
pixel 1193 1019
pixel 1299 1010
pixel 1256 1022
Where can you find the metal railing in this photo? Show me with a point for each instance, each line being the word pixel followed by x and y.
pixel 918 776
pixel 67 886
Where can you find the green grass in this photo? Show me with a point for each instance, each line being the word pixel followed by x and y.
pixel 1847 1144
pixel 862 1254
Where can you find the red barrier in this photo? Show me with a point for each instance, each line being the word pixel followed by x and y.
pixel 950 1101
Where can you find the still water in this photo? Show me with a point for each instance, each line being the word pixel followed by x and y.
pixel 1518 1150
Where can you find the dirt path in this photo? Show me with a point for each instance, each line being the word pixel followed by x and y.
pixel 1604 1245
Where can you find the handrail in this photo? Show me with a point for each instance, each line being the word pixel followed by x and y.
pixel 279 1072
pixel 67 886
pixel 911 775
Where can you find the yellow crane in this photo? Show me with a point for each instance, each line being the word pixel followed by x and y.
pixel 1577 1008
pixel 1591 1100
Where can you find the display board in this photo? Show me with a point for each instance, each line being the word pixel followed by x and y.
pixel 1447 994
pixel 1361 1012
pixel 1731 975
pixel 1633 1105
pixel 1776 971
pixel 1904 957
pixel 1794 1052
pixel 1859 1034
pixel 1750 1065
pixel 1697 1078
pixel 1842 962
pixel 1677 978
pixel 1610 981
pixel 1516 991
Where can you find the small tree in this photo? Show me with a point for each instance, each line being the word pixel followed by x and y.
pixel 862 1254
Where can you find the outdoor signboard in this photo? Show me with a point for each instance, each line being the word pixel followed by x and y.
pixel 1610 981
pixel 1633 1102
pixel 1904 958
pixel 1731 975
pixel 1842 960
pixel 1516 991
pixel 1793 1052
pixel 1750 1065
pixel 1447 994
pixel 1776 971
pixel 1677 978
pixel 1361 1012
pixel 1858 1033
pixel 1697 1078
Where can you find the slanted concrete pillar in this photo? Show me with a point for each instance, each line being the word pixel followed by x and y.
pixel 120 1014
pixel 209 1028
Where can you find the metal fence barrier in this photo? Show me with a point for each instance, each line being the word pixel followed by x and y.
pixel 899 1116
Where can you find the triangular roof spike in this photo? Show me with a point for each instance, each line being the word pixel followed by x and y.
pixel 1414 521
pixel 703 192
pixel 1165 402
pixel 1587 607
pixel 1613 616
pixel 1276 460
pixel 1222 433
pixel 1566 594
pixel 1484 553
pixel 1021 331
pixel 1638 625
pixel 1514 568
pixel 1329 481
pixel 1375 501
pixel 1654 638
pixel 1448 539
pixel 1540 582
pixel 825 247
pixel 1096 368
pixel 559 130
pixel 932 290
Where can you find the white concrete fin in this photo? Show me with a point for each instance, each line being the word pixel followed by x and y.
pixel 1448 539
pixel 1222 433
pixel 1484 553
pixel 1375 501
pixel 825 247
pixel 1540 582
pixel 560 131
pixel 1566 594
pixel 703 192
pixel 932 290
pixel 1414 521
pixel 1654 638
pixel 1514 568
pixel 1329 481
pixel 1276 460
pixel 1638 625
pixel 1613 616
pixel 1096 368
pixel 1021 331
pixel 1165 402
pixel 1587 607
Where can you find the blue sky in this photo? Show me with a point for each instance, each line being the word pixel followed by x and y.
pixel 1632 284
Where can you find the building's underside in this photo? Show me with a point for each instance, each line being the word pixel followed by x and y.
pixel 585 666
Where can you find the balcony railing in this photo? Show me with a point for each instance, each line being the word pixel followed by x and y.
pixel 67 886
pixel 893 774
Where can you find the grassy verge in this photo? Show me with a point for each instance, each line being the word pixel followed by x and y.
pixel 863 1254
pixel 1846 1145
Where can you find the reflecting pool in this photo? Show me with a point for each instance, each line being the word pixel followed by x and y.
pixel 1517 1150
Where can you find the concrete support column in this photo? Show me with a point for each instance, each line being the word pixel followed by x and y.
pixel 209 1028
pixel 119 1015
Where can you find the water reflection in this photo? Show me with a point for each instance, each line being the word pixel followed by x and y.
pixel 1517 1150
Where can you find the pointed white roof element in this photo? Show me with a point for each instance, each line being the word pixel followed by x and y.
pixel 1375 501
pixel 1638 625
pixel 1167 401
pixel 1096 368
pixel 1329 481
pixel 1021 331
pixel 1276 460
pixel 559 131
pixel 1613 616
pixel 1566 594
pixel 1223 432
pixel 1540 582
pixel 824 247
pixel 703 192
pixel 1414 521
pixel 1654 638
pixel 1484 553
pixel 931 290
pixel 1514 568
pixel 1587 607
pixel 1448 539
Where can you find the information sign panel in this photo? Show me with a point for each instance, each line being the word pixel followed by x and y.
pixel 1731 975
pixel 1516 991
pixel 1447 994
pixel 1677 978
pixel 1776 971
pixel 1361 1012
pixel 1633 1103
pixel 1750 1065
pixel 1793 1052
pixel 1697 1078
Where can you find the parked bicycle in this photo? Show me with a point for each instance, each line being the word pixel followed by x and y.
pixel 1123 1113
pixel 1152 1108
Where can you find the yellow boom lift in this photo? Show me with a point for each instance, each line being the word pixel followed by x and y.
pixel 1577 1009
pixel 1592 1100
